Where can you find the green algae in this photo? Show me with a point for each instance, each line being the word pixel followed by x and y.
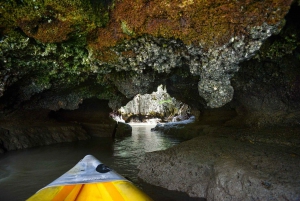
pixel 45 63
pixel 126 29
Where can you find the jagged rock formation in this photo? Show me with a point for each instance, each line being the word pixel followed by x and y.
pixel 157 104
pixel 56 53
pixel 266 86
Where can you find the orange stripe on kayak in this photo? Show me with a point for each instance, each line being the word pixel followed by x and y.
pixel 63 193
pixel 113 191
pixel 74 193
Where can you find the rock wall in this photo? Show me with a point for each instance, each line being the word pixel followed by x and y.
pixel 24 136
pixel 92 115
pixel 29 128
pixel 267 86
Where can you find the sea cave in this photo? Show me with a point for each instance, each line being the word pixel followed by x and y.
pixel 216 85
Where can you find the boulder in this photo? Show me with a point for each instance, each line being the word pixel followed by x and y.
pixel 123 130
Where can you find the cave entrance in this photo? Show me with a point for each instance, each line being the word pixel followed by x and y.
pixel 153 108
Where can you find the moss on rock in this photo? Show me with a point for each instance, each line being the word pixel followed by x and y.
pixel 193 21
pixel 52 21
pixel 56 46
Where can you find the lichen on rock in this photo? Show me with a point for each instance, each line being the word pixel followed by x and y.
pixel 51 21
pixel 58 46
pixel 157 44
pixel 215 66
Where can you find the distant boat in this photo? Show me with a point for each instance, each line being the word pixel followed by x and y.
pixel 90 180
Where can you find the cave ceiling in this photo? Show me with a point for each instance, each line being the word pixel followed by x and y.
pixel 55 54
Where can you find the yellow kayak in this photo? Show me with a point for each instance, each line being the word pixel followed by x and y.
pixel 90 180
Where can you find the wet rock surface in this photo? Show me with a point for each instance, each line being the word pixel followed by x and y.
pixel 221 168
pixel 39 134
pixel 186 129
pixel 226 161
pixel 123 130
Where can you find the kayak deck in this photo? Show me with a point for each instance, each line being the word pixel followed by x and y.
pixel 106 191
pixel 90 180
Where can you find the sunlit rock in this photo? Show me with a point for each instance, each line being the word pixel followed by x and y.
pixel 157 104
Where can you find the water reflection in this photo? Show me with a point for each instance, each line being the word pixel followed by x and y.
pixel 24 172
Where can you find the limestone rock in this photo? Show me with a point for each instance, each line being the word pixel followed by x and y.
pixel 123 130
pixel 25 136
pixel 159 103
pixel 212 168
pixel 267 86
pixel 56 58
pixel 93 115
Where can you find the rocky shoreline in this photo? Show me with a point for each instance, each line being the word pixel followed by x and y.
pixel 30 128
pixel 34 134
pixel 227 165
pixel 25 136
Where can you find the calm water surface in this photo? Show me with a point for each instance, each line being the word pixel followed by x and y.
pixel 24 172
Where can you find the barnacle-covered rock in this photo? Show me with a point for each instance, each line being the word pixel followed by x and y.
pixel 215 66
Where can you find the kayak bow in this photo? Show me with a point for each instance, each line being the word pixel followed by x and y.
pixel 90 180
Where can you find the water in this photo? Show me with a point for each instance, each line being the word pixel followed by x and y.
pixel 23 172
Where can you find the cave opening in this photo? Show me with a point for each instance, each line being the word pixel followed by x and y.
pixel 157 107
